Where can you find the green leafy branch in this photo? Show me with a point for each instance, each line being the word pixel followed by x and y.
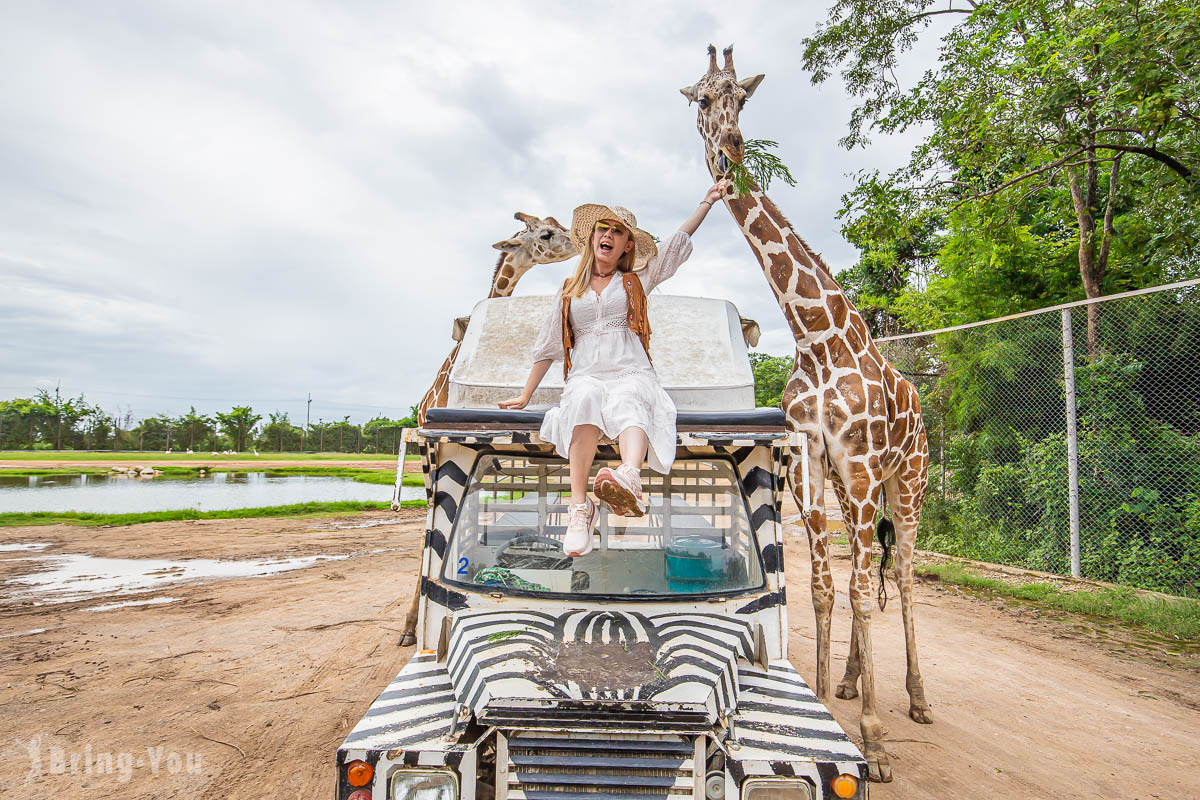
pixel 759 167
pixel 501 636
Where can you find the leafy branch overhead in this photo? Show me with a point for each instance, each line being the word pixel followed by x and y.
pixel 1052 138
pixel 759 167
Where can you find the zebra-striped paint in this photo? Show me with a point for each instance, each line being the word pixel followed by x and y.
pixel 705 649
pixel 496 657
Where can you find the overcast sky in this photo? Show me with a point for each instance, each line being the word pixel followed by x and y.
pixel 226 203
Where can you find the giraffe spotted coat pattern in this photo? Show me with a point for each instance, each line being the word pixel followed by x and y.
pixel 861 417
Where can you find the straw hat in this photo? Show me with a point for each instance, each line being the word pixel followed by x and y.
pixel 584 220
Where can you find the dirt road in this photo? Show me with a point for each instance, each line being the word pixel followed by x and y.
pixel 244 687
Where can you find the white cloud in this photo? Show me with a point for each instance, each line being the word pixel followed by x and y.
pixel 252 202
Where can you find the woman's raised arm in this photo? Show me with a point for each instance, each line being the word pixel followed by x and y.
pixel 715 193
pixel 676 249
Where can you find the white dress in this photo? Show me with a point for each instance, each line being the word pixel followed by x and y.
pixel 612 384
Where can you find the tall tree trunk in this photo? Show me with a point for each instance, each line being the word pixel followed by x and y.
pixel 1083 194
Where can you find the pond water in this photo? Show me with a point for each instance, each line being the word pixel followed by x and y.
pixel 110 494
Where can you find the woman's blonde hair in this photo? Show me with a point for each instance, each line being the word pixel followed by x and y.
pixel 582 279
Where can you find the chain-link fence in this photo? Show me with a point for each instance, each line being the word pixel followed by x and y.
pixel 1067 440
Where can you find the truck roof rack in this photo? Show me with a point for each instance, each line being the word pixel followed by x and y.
pixel 747 418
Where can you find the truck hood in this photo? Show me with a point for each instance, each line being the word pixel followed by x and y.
pixel 525 666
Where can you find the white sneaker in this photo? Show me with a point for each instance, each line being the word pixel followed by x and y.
pixel 581 519
pixel 621 490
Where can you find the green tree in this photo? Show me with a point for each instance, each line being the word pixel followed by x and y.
pixel 771 375
pixel 316 434
pixel 239 424
pixel 197 426
pixel 411 420
pixel 383 434
pixel 97 426
pixel 1062 118
pixel 899 240
pixel 154 433
pixel 57 417
pixel 18 423
pixel 349 435
pixel 280 434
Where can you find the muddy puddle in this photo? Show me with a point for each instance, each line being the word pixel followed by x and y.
pixel 74 577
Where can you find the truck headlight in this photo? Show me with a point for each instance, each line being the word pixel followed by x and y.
pixel 776 789
pixel 410 785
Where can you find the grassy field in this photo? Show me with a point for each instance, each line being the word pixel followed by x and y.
pixel 97 520
pixel 155 457
pixel 1177 618
pixel 381 477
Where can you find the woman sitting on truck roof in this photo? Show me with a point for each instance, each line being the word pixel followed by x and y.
pixel 600 330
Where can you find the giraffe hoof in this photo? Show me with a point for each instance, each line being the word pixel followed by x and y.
pixel 879 770
pixel 921 714
pixel 407 639
pixel 846 691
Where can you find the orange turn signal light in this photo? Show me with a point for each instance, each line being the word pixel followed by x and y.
pixel 845 786
pixel 359 773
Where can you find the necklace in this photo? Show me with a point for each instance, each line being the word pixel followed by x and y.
pixel 605 274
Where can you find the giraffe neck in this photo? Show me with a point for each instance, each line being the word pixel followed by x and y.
pixel 813 304
pixel 504 279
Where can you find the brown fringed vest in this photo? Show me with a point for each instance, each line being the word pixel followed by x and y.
pixel 635 304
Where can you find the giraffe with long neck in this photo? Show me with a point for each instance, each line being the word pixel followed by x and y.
pixel 861 417
pixel 544 241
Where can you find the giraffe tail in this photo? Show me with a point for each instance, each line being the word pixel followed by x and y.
pixel 885 532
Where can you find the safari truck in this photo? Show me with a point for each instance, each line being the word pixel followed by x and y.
pixel 653 668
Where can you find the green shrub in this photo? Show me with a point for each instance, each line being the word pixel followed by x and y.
pixel 1007 495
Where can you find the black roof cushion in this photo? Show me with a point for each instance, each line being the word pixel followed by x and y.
pixel 758 417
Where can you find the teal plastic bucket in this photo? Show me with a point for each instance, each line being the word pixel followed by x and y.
pixel 693 563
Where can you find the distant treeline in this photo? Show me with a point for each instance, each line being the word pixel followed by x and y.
pixel 50 422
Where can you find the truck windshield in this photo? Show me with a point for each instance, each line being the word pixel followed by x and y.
pixel 695 539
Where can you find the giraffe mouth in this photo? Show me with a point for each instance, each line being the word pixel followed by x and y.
pixel 726 162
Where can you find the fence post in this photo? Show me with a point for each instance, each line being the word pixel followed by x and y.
pixel 1072 441
pixel 942 450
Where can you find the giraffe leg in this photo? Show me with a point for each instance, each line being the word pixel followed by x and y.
pixel 908 489
pixel 409 636
pixel 848 688
pixel 818 548
pixel 861 529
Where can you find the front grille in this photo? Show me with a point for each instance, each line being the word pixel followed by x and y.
pixel 587 716
pixel 598 767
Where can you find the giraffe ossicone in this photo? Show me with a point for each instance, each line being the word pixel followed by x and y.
pixel 862 418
